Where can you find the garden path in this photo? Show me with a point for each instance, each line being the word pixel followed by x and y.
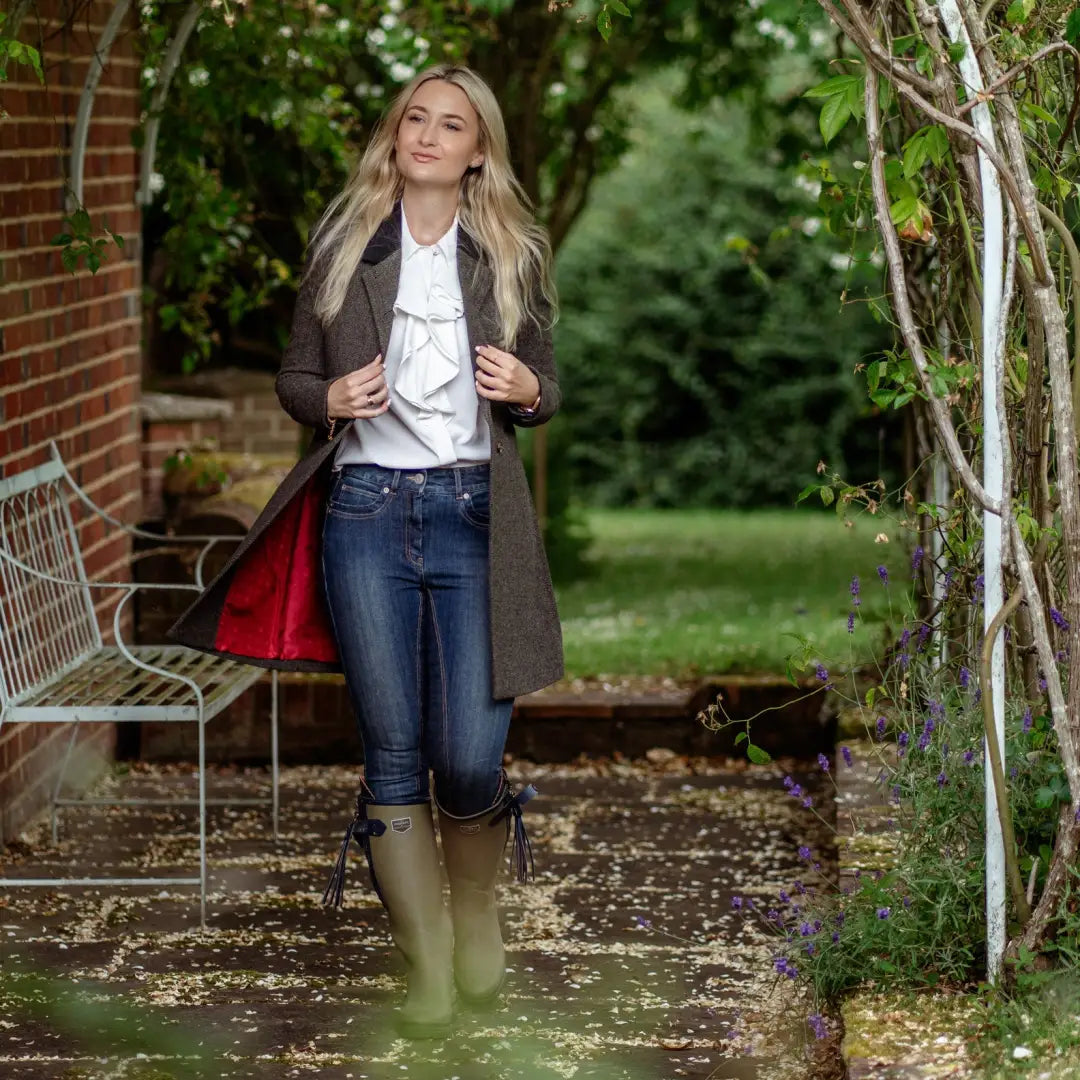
pixel 628 960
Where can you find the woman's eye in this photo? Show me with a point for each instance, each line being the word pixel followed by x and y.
pixel 453 127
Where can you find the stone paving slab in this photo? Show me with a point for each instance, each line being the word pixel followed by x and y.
pixel 627 962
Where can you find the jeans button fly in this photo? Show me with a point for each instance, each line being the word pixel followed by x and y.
pixel 418 477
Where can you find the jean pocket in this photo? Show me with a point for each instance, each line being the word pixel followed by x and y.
pixel 358 497
pixel 474 505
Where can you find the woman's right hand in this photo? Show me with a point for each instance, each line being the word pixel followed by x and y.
pixel 360 395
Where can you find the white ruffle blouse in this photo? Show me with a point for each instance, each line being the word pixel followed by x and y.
pixel 434 418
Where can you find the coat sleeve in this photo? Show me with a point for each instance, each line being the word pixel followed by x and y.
pixel 301 383
pixel 534 349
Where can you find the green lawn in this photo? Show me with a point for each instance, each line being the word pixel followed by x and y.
pixel 687 592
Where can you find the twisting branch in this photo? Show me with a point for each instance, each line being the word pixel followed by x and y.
pixel 997 769
pixel 902 302
pixel 1015 70
pixel 878 60
pixel 1069 243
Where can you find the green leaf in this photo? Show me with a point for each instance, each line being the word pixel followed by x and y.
pixel 70 258
pixel 902 399
pixel 827 495
pixel 837 85
pixel 1018 11
pixel 619 6
pixel 924 60
pixel 80 223
pixel 757 755
pixel 835 113
pixel 741 737
pixel 807 492
pixel 915 154
pixel 1072 26
pixel 902 43
pixel 956 51
pixel 937 143
pixel 62 238
pixel 1041 113
pixel 603 23
pixel 873 374
pixel 93 260
pixel 904 209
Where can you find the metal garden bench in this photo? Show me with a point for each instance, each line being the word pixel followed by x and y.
pixel 55 668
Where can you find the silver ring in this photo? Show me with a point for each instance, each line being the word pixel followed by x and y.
pixel 371 401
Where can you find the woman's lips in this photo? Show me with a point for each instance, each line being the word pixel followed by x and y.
pixel 424 157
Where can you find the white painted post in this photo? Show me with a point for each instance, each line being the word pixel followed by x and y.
pixel 993 473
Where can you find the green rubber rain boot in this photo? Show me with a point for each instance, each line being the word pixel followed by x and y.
pixel 473 848
pixel 405 872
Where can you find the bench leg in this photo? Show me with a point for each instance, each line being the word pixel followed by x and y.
pixel 202 818
pixel 53 822
pixel 274 749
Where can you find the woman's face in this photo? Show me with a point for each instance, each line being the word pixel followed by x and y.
pixel 439 135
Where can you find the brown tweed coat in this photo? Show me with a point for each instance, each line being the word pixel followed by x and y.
pixel 267 605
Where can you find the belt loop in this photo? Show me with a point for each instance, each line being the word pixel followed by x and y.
pixel 395 481
pixel 457 482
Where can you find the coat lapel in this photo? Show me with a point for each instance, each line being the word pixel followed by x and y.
pixel 380 269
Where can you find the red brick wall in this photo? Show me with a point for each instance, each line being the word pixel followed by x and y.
pixel 70 362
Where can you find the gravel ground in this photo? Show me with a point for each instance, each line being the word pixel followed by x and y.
pixel 627 960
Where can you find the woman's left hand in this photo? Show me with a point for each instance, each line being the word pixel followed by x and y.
pixel 501 376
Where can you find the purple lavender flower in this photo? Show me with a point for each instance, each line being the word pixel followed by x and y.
pixel 795 791
pixel 788 782
pixel 881 722
pixel 800 888
pixel 846 753
pixel 792 971
pixel 1061 655
pixel 774 916
pixel 946 584
pixel 817 1025
pixel 937 710
pixel 807 802
pixel 1076 816
pixel 809 948
pixel 896 794
pixel 907 901
pixel 817 925
pixel 1042 685
pixel 924 633
pixel 883 912
pixel 901 742
pixel 916 560
pixel 822 673
pixel 839 917
pixel 969 756
pixel 736 902
pixel 1059 620
pixel 836 935
pixel 965 678
pixel 883 573
pixel 643 922
pixel 942 779
pixel 781 964
pixel 855 601
pixel 1013 772
pixel 805 929
pixel 851 622
pixel 980 584
pixel 784 897
pixel 1027 720
pixel 804 852
pixel 823 762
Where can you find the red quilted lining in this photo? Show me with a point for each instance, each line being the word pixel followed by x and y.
pixel 275 608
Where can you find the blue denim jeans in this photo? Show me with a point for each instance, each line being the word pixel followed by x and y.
pixel 405 561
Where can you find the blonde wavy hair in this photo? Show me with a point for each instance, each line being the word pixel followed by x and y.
pixel 493 207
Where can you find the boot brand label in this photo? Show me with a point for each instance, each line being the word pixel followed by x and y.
pixel 401 824
pixel 469 829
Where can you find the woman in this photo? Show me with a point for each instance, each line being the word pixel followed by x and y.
pixel 404 547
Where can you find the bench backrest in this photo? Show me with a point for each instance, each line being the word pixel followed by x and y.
pixel 45 627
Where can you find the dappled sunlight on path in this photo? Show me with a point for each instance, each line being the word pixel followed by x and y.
pixel 627 959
